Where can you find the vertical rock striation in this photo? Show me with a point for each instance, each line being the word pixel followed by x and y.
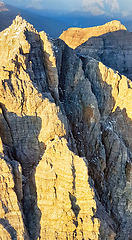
pixel 11 218
pixel 113 93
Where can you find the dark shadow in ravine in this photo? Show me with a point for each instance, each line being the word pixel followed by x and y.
pixel 35 57
pixel 20 143
pixel 5 223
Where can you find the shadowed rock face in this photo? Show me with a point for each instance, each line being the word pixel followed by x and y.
pixel 113 49
pixel 66 149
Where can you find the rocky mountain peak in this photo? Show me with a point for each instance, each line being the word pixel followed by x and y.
pixel 19 25
pixel 19 21
pixel 115 25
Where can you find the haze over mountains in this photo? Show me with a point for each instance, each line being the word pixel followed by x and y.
pixel 108 6
pixel 98 12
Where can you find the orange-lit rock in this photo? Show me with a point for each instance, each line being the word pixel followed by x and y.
pixel 64 196
pixel 74 37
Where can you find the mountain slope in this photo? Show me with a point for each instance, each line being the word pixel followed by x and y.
pixel 66 146
pixel 109 43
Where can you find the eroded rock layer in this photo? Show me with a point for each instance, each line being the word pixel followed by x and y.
pixel 66 149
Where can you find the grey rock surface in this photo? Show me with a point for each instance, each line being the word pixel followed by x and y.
pixel 113 49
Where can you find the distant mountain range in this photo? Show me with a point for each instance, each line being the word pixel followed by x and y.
pixel 54 20
pixel 99 7
pixel 88 14
pixel 99 12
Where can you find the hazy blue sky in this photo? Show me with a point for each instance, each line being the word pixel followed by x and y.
pixel 60 4
pixel 66 4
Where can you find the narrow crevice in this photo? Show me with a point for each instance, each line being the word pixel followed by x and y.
pixel 118 84
pixel 75 207
pixel 6 120
pixel 74 235
pixel 23 99
pixel 32 213
pixel 74 175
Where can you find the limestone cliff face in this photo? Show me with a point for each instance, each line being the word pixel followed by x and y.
pixel 66 149
pixel 65 198
pixel 113 93
pixel 74 37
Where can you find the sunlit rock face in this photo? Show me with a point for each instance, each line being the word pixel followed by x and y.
pixel 11 219
pixel 65 129
pixel 74 37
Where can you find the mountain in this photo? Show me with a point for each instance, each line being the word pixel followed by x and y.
pixel 65 141
pixel 99 7
pixel 98 12
pixel 57 7
pixel 52 26
pixel 54 20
